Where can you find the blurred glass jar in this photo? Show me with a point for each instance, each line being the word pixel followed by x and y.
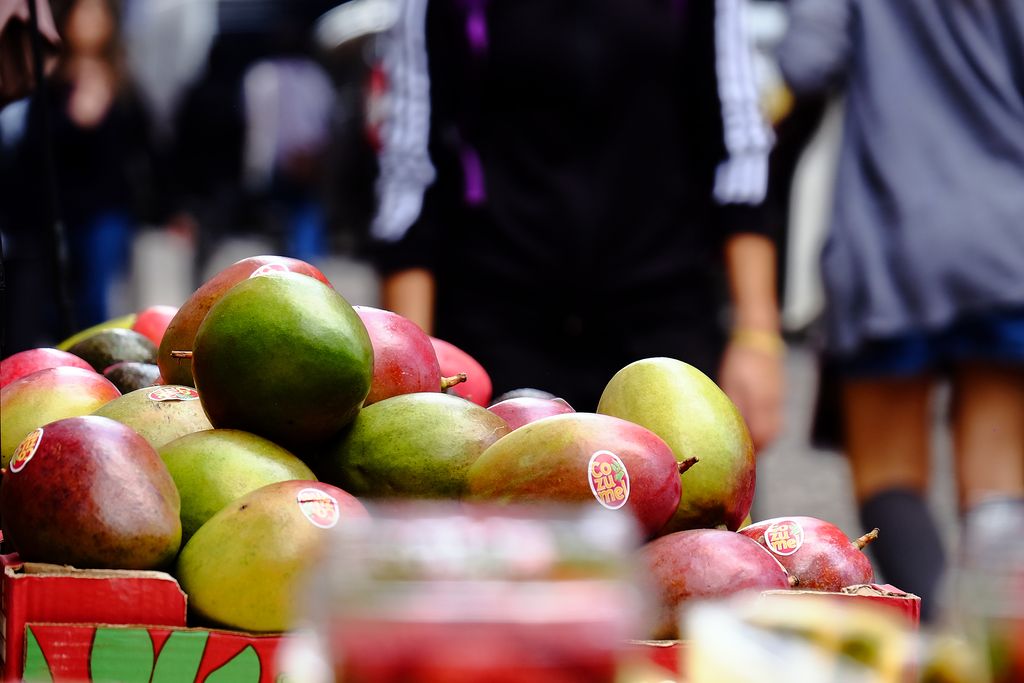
pixel 457 592
pixel 987 587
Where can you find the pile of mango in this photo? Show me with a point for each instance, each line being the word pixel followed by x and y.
pixel 276 409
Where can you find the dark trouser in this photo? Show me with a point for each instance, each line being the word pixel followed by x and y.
pixel 534 340
pixel 100 253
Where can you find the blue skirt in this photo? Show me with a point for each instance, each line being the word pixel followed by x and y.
pixel 993 336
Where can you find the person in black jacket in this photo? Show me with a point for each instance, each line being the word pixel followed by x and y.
pixel 568 187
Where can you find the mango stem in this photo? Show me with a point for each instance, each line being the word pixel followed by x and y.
pixel 865 539
pixel 793 581
pixel 449 382
pixel 687 464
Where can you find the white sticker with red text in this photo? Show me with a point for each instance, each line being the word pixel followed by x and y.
pixel 319 507
pixel 173 393
pixel 609 480
pixel 269 269
pixel 25 450
pixel 784 537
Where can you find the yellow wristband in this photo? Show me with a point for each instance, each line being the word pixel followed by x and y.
pixel 759 340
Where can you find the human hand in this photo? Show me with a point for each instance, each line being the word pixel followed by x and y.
pixel 753 376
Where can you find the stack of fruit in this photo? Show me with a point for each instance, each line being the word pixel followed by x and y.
pixel 258 415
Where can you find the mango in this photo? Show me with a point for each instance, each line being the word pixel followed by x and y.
pixel 404 361
pixel 454 361
pixel 693 415
pixel 90 492
pixel 413 445
pixel 212 468
pixel 244 567
pixel 704 564
pixel 582 458
pixel 120 322
pixel 815 551
pixel 159 414
pixel 106 347
pixel 284 356
pixel 130 375
pixel 180 332
pixel 45 396
pixel 24 363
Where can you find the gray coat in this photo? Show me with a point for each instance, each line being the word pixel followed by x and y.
pixel 928 216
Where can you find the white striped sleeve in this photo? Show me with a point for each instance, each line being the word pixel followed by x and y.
pixel 405 168
pixel 742 177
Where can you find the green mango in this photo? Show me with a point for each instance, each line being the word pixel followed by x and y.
pixel 159 413
pixel 694 416
pixel 245 566
pixel 284 356
pixel 107 347
pixel 212 468
pixel 418 445
pixel 124 321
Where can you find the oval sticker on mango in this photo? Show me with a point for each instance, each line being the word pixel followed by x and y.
pixel 25 450
pixel 269 269
pixel 173 393
pixel 784 537
pixel 609 480
pixel 319 508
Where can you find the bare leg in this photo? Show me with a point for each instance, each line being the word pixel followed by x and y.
pixel 886 422
pixel 887 429
pixel 988 432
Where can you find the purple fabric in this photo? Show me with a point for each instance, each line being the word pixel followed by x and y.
pixel 474 192
pixel 476 25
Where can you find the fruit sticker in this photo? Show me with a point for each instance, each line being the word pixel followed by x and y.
pixel 25 450
pixel 319 508
pixel 268 268
pixel 174 393
pixel 609 480
pixel 784 537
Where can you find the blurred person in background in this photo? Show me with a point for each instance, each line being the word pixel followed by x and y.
pixel 252 132
pixel 101 153
pixel 924 263
pixel 26 255
pixel 17 77
pixel 208 142
pixel 288 100
pixel 566 188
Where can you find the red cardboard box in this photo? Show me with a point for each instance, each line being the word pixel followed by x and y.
pixel 66 624
pixel 887 596
pixel 667 654
pixel 43 593
pixel 84 652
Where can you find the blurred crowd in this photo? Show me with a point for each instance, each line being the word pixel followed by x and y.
pixel 206 118
pixel 561 188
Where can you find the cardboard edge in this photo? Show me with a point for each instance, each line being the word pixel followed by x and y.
pixel 158 627
pixel 41 569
